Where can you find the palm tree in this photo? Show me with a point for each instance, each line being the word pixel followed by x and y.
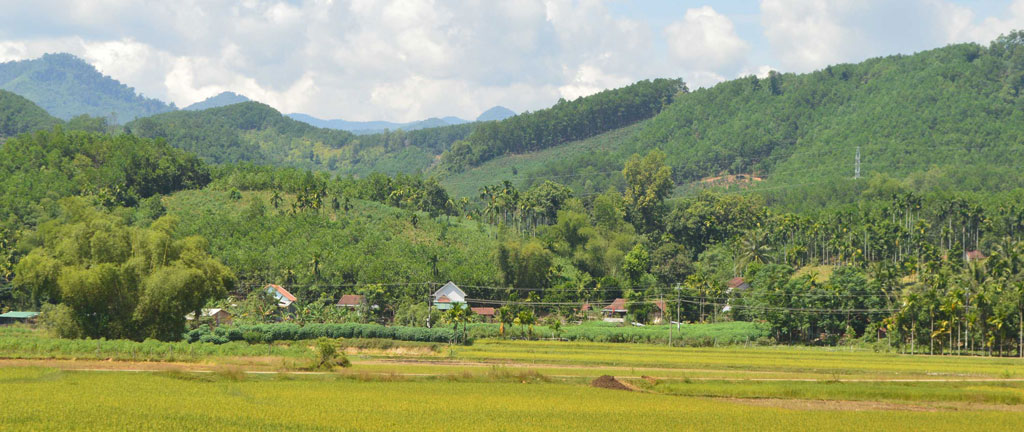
pixel 754 248
pixel 276 199
pixel 459 313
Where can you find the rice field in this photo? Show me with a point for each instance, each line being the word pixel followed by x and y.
pixel 497 385
pixel 47 399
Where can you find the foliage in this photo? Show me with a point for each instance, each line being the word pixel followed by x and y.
pixel 256 133
pixel 19 115
pixel 117 281
pixel 38 169
pixel 564 122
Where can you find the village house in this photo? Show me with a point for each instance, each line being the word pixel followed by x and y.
pixel 617 311
pixel 15 316
pixel 486 313
pixel 351 301
pixel 737 284
pixel 446 295
pixel 284 298
pixel 218 316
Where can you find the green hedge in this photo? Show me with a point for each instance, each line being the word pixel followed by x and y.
pixel 727 333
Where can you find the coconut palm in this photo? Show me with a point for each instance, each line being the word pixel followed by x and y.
pixel 753 248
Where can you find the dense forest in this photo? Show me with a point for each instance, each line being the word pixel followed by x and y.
pixel 19 115
pixel 564 122
pixel 943 119
pixel 66 86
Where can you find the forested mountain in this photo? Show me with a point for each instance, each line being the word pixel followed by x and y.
pixel 376 127
pixel 254 132
pixel 944 119
pixel 67 86
pixel 222 99
pixel 564 122
pixel 496 113
pixel 19 115
pixel 37 170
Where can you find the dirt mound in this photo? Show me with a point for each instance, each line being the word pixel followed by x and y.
pixel 609 382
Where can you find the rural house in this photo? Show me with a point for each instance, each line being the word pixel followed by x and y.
pixel 485 313
pixel 284 298
pixel 737 284
pixel 351 301
pixel 15 316
pixel 218 316
pixel 448 294
pixel 617 311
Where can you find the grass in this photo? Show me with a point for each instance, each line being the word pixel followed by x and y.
pixel 43 399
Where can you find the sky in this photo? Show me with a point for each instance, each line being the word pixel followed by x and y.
pixel 406 60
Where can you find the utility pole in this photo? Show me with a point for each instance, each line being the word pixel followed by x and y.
pixel 856 164
pixel 429 304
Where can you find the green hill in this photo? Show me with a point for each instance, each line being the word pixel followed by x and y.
pixel 944 119
pixel 333 249
pixel 254 132
pixel 19 115
pixel 67 86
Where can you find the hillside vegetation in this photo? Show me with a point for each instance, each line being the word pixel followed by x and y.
pixel 19 115
pixel 564 122
pixel 945 119
pixel 66 86
pixel 254 132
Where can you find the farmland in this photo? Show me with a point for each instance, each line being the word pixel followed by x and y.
pixel 500 385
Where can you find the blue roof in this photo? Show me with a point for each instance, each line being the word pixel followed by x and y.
pixel 22 315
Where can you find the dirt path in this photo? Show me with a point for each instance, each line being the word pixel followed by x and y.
pixel 129 366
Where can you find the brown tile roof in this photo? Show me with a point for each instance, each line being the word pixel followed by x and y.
pixel 485 311
pixel 975 255
pixel 444 299
pixel 619 305
pixel 736 282
pixel 351 300
pixel 660 304
pixel 585 307
pixel 283 291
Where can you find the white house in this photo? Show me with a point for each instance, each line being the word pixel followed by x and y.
pixel 284 298
pixel 448 294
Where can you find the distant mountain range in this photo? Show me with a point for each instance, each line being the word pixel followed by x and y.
pixel 222 99
pixel 372 127
pixel 67 86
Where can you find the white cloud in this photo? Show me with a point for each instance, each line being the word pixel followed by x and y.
pixel 705 39
pixel 411 59
pixel 962 25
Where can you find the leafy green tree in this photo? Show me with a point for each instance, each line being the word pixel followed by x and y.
pixel 119 281
pixel 648 183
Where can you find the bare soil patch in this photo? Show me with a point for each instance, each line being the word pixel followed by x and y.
pixel 609 382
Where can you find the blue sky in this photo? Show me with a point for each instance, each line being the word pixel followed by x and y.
pixel 406 60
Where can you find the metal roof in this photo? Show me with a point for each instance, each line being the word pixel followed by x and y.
pixel 22 315
pixel 449 288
